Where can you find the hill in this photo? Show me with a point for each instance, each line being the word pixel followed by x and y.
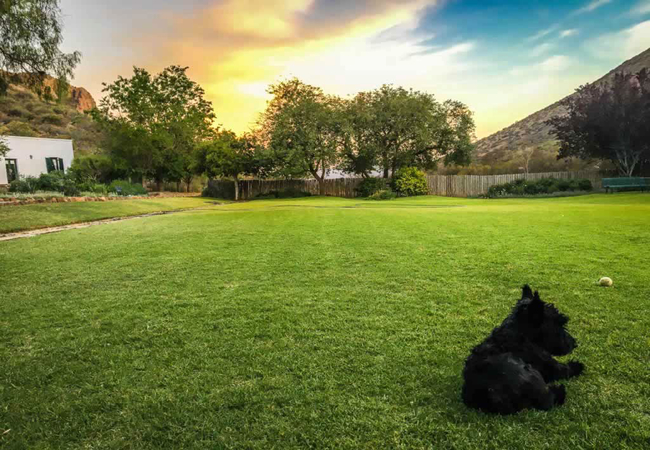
pixel 532 131
pixel 23 113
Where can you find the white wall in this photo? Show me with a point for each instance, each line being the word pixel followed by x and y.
pixel 30 154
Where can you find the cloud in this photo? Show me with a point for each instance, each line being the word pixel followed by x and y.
pixel 541 49
pixel 339 45
pixel 555 63
pixel 642 8
pixel 592 6
pixel 568 33
pixel 542 33
pixel 623 44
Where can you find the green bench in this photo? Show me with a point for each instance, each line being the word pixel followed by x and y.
pixel 625 182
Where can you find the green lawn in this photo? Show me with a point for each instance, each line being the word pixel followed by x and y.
pixel 16 218
pixel 323 323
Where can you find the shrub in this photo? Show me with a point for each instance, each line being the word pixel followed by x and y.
pixel 585 185
pixel 410 181
pixel 384 194
pixel 53 181
pixel 17 111
pixel 18 128
pixel 92 169
pixel 95 188
pixel 58 181
pixel 25 185
pixel 54 119
pixel 544 186
pixel 123 187
pixel 371 185
pixel 70 188
pixel 564 185
pixel 287 193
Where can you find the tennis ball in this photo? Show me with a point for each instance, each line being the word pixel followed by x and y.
pixel 605 281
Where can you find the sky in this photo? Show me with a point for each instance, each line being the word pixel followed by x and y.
pixel 504 59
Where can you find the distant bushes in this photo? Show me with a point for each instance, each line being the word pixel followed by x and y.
pixel 384 194
pixel 544 186
pixel 67 185
pixel 287 193
pixel 48 182
pixel 370 186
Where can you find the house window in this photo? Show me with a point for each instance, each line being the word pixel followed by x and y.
pixel 54 164
pixel 12 169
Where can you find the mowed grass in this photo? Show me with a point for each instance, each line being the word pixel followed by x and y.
pixel 319 323
pixel 42 215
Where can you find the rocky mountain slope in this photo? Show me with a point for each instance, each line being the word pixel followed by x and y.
pixel 23 113
pixel 532 131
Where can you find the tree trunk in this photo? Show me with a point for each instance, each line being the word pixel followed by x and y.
pixel 386 164
pixel 236 188
pixel 320 179
pixel 158 185
pixel 627 160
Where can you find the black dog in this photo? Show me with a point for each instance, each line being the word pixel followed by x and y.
pixel 511 369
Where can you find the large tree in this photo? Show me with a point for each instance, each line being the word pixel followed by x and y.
pixel 227 156
pixel 154 123
pixel 357 144
pixel 392 127
pixel 300 130
pixel 30 36
pixel 608 121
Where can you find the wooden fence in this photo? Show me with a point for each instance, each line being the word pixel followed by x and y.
pixel 249 189
pixel 475 185
pixel 443 185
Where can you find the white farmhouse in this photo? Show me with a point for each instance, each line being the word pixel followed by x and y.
pixel 29 156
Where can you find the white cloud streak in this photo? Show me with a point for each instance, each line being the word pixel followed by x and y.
pixel 541 49
pixel 568 33
pixel 592 6
pixel 542 33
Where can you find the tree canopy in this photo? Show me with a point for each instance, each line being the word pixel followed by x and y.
pixel 299 128
pixel 30 36
pixel 392 127
pixel 154 123
pixel 227 156
pixel 609 121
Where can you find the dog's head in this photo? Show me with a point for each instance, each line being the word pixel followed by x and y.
pixel 543 324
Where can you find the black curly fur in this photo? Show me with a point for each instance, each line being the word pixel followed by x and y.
pixel 512 368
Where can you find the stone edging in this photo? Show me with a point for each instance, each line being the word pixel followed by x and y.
pixel 33 201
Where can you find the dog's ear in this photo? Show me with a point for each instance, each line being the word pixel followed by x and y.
pixel 536 310
pixel 526 292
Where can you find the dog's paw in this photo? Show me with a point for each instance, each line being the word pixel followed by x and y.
pixel 560 393
pixel 575 368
